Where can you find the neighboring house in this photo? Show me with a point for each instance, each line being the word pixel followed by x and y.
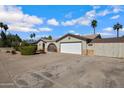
pixel 68 43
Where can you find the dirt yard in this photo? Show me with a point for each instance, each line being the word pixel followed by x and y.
pixel 54 70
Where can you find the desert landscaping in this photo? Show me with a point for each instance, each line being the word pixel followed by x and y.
pixel 59 70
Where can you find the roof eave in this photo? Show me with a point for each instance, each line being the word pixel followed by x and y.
pixel 78 37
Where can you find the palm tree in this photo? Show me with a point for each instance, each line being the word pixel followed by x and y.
pixel 34 35
pixel 31 36
pixel 5 27
pixel 117 27
pixel 94 25
pixel 1 25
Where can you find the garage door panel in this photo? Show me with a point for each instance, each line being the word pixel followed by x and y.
pixel 74 48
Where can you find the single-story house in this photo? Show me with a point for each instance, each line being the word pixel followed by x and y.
pixel 84 45
pixel 69 43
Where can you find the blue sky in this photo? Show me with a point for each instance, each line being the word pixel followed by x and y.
pixel 59 20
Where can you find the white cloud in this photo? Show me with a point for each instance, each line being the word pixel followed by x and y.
pixel 91 13
pixel 53 22
pixel 77 34
pixel 84 20
pixel 117 9
pixel 115 17
pixel 70 22
pixel 17 20
pixel 108 29
pixel 110 10
pixel 71 31
pixel 22 29
pixel 122 29
pixel 28 29
pixel 104 13
pixel 45 29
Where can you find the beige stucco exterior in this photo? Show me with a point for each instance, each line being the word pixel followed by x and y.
pixel 47 44
pixel 99 49
pixel 40 45
pixel 66 39
pixel 108 49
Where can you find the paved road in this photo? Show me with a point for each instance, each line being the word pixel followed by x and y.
pixel 60 70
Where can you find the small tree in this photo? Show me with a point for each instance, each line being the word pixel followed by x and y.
pixel 117 27
pixel 1 26
pixel 32 35
pixel 5 27
pixel 50 37
pixel 3 39
pixel 94 25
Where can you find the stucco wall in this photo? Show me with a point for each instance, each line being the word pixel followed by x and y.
pixel 40 45
pixel 108 49
pixel 47 44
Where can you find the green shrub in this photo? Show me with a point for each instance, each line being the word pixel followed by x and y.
pixel 17 48
pixel 28 50
pixel 24 43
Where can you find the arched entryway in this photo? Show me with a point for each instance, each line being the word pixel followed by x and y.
pixel 52 48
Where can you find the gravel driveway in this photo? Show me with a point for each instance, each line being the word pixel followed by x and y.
pixel 60 70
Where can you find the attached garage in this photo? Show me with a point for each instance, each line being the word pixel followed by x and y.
pixel 74 48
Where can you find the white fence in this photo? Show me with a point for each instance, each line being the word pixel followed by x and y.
pixel 108 49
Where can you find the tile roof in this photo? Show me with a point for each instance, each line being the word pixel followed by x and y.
pixel 92 36
pixel 87 37
pixel 109 40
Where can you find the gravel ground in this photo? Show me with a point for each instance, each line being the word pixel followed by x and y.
pixel 54 70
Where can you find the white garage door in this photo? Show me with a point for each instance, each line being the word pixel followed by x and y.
pixel 74 48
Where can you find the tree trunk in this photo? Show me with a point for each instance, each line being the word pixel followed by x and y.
pixel 94 31
pixel 117 33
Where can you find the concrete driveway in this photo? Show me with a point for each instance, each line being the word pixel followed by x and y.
pixel 60 70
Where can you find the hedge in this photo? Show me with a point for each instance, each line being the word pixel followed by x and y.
pixel 28 50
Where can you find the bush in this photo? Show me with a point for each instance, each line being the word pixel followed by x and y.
pixel 28 50
pixel 17 48
pixel 24 43
pixel 13 52
pixel 8 51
